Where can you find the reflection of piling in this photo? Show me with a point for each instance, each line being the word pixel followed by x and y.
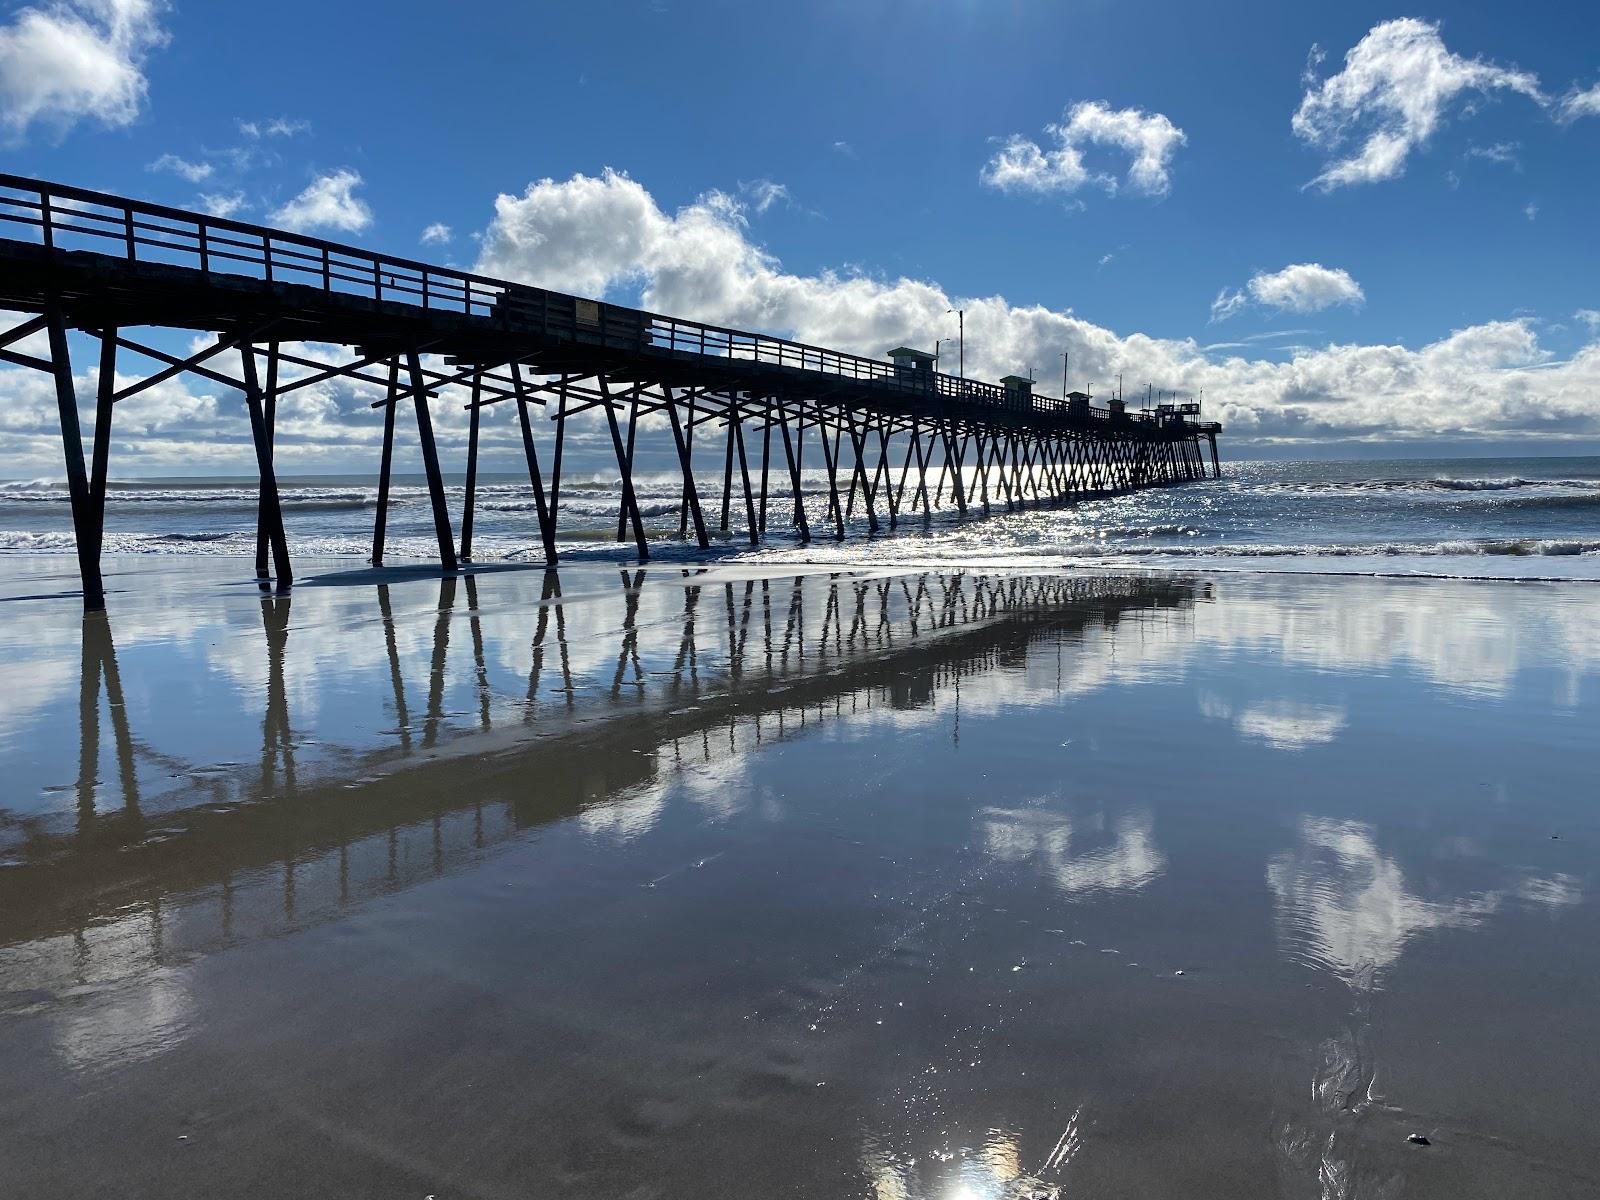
pixel 99 666
pixel 402 717
pixel 754 665
pixel 277 740
pixel 441 647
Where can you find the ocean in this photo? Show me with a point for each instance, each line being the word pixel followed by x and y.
pixel 1504 518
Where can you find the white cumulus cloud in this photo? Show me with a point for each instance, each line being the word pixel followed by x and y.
pixel 69 60
pixel 1300 288
pixel 1397 85
pixel 1149 140
pixel 1306 287
pixel 436 234
pixel 329 202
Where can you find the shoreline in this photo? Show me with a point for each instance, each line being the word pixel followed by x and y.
pixel 350 570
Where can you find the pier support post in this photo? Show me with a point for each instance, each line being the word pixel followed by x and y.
pixel 685 440
pixel 924 452
pixel 912 445
pixel 983 445
pixel 270 508
pixel 430 465
pixel 857 445
pixel 882 479
pixel 85 530
pixel 633 427
pixel 799 464
pixel 691 495
pixel 547 525
pixel 380 520
pixel 630 502
pixel 469 501
pixel 555 459
pixel 766 459
pixel 101 462
pixel 794 478
pixel 744 476
pixel 732 399
pixel 830 461
pixel 958 485
pixel 269 406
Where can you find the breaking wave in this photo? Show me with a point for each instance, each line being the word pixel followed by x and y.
pixel 1438 484
pixel 1510 547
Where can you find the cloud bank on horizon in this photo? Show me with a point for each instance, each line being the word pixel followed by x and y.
pixel 67 63
pixel 600 234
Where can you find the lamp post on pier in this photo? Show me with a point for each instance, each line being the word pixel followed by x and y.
pixel 961 337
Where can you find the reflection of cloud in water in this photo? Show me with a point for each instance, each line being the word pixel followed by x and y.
pixel 626 816
pixel 1557 891
pixel 116 1002
pixel 1468 636
pixel 1345 907
pixel 718 786
pixel 1291 725
pixel 134 1022
pixel 30 686
pixel 1129 863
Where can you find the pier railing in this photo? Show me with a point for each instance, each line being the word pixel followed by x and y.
pixel 68 218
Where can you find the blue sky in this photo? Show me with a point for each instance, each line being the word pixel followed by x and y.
pixel 1138 183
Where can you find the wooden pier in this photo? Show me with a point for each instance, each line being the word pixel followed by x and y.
pixel 896 430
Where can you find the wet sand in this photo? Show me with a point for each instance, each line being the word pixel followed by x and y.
pixel 684 883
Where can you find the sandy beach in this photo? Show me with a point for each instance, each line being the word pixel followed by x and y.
pixel 727 881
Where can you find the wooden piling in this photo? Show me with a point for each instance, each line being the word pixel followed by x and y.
pixel 85 529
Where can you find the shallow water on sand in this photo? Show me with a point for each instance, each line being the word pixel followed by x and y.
pixel 682 882
pixel 1468 518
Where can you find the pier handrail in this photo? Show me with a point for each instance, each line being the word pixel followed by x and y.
pixel 61 215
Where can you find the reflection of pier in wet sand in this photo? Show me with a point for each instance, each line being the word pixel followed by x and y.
pixel 241 849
